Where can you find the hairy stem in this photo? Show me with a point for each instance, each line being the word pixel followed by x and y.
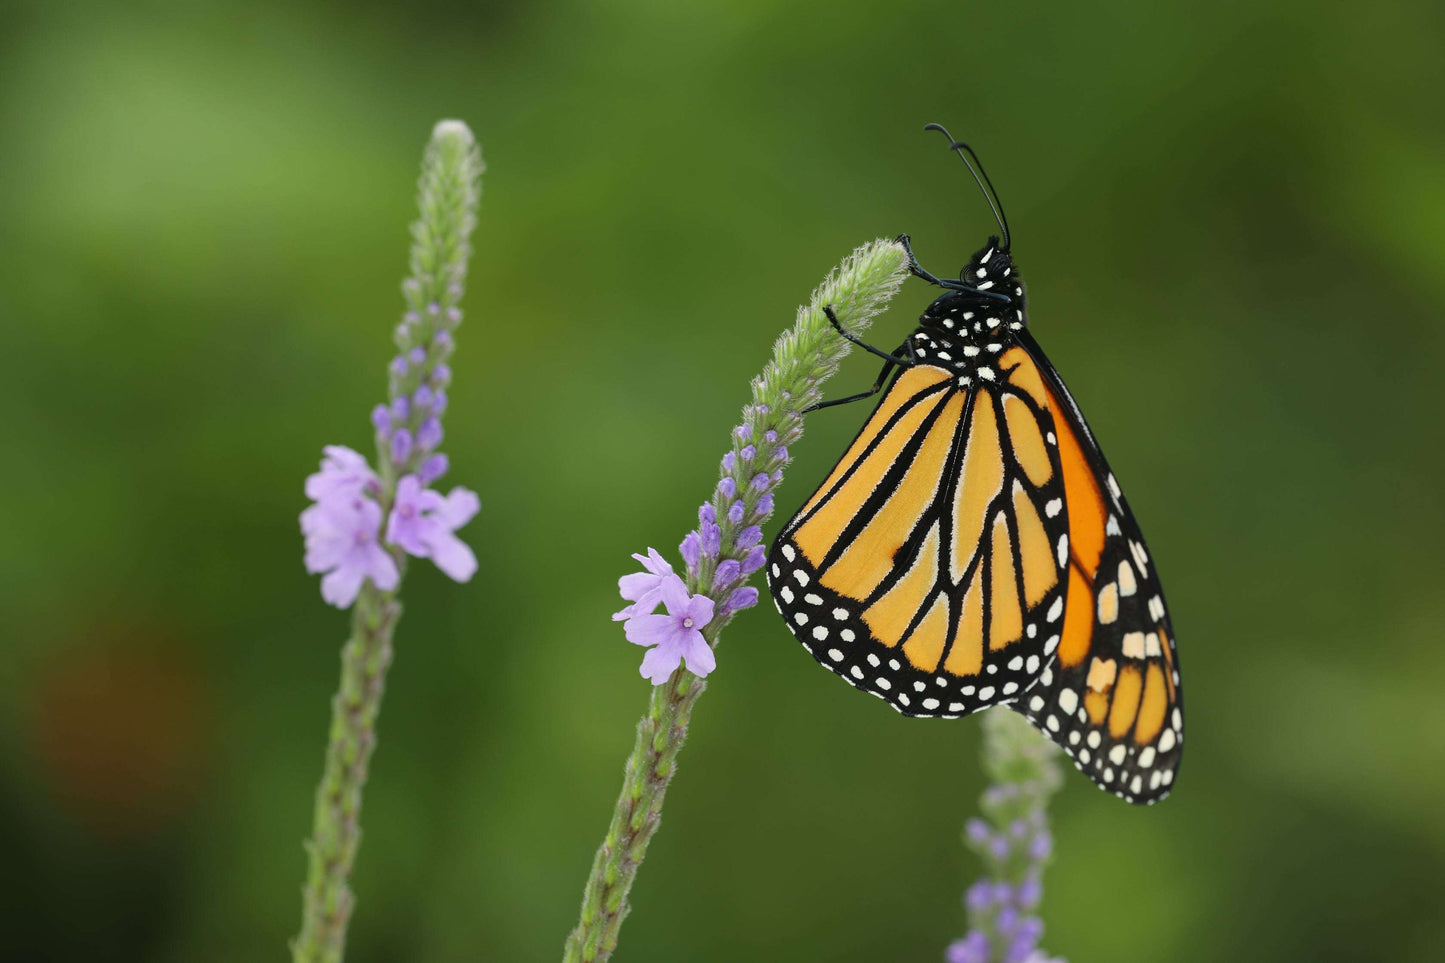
pixel 336 830
pixel 660 735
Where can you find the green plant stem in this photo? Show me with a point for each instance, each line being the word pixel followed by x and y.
pixel 660 735
pixel 336 830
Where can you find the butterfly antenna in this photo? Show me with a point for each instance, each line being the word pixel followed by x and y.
pixel 980 176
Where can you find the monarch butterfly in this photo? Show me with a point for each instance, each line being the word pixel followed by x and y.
pixel 972 547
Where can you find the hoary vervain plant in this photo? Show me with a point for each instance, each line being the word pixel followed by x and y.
pixel 364 563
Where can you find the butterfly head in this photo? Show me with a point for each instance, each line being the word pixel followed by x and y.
pixel 992 269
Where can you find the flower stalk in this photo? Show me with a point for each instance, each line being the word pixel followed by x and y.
pixel 1014 842
pixel 720 555
pixel 343 527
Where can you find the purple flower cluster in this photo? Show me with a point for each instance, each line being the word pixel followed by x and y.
pixel 409 429
pixel 343 527
pixel 1014 843
pixel 721 554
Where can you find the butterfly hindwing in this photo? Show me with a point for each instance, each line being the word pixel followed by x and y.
pixel 1112 699
pixel 930 567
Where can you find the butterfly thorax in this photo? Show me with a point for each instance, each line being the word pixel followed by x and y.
pixel 966 331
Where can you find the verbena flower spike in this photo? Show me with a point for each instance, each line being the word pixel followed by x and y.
pixel 363 523
pixel 719 557
pixel 1013 842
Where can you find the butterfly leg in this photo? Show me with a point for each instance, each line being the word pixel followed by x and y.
pixel 837 326
pixel 946 283
pixel 914 266
pixel 877 387
pixel 889 363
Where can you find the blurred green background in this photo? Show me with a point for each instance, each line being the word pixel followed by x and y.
pixel 1232 219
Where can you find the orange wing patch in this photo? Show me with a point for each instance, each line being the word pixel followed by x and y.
pixel 1027 441
pixel 1024 374
pixel 979 482
pixel 871 555
pixel 924 647
pixel 822 531
pixel 1007 620
pixel 906 390
pixel 890 616
pixel 1041 572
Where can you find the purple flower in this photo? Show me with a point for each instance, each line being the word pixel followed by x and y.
pixel 439 401
pixel 423 523
pixel 973 948
pixel 676 636
pixel 764 507
pixel 691 549
pixel 728 487
pixel 735 512
pixel 643 589
pixel 381 419
pixel 728 572
pixel 441 375
pixel 433 468
pixel 343 472
pixel 421 398
pixel 400 409
pixel 340 532
pixel 743 598
pixel 748 537
pixel 1030 892
pixel 443 339
pixel 753 560
pixel 417 356
pixel 429 435
pixel 708 531
pixel 400 444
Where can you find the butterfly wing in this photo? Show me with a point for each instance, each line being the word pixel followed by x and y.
pixel 930 567
pixel 1112 698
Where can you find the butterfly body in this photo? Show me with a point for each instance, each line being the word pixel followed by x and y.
pixel 972 548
